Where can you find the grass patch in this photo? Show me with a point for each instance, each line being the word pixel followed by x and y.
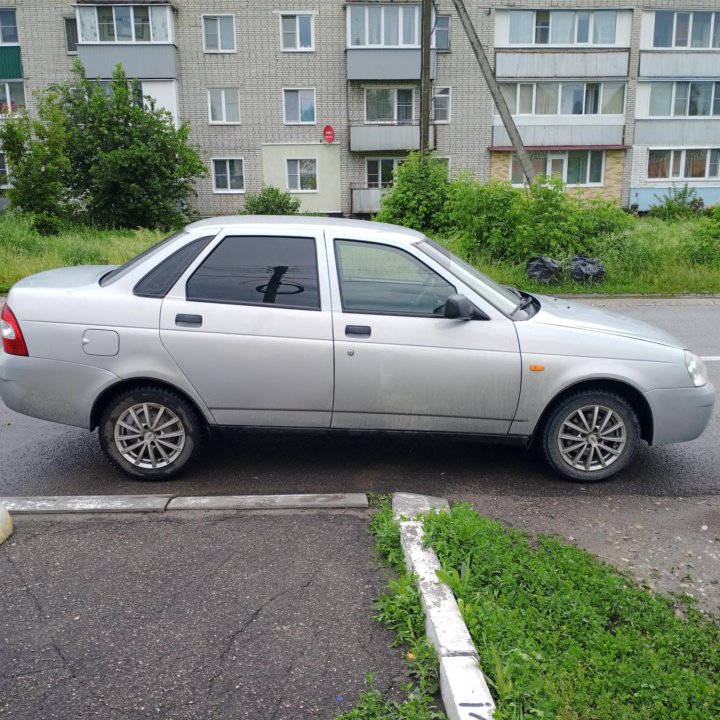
pixel 563 636
pixel 401 610
pixel 24 252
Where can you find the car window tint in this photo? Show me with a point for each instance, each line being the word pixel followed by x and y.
pixel 130 264
pixel 157 283
pixel 382 279
pixel 252 270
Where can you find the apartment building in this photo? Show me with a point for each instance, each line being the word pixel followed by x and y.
pixel 322 97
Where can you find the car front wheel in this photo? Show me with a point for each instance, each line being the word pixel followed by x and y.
pixel 150 433
pixel 591 435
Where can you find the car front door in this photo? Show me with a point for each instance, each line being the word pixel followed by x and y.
pixel 399 363
pixel 249 326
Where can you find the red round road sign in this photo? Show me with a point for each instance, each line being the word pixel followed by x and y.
pixel 328 133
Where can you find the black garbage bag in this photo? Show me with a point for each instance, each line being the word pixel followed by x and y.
pixel 585 269
pixel 543 269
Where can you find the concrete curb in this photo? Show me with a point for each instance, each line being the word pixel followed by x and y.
pixel 6 525
pixel 165 503
pixel 463 686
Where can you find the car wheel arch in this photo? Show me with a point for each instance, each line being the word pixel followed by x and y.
pixel 134 384
pixel 628 392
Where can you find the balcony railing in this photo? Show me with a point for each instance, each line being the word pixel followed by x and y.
pixel 398 136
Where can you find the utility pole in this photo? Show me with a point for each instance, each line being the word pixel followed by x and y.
pixel 425 90
pixel 497 95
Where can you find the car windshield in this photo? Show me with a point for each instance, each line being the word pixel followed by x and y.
pixel 498 295
pixel 130 264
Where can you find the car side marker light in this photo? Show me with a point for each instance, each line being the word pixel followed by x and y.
pixel 537 368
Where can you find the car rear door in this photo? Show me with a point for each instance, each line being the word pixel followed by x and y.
pixel 249 325
pixel 399 363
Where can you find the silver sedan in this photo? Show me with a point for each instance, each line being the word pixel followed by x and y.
pixel 335 325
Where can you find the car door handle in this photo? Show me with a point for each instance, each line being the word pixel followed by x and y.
pixel 188 319
pixel 362 330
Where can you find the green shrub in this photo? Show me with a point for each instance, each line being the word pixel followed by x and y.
pixel 677 204
pixel 703 246
pixel 417 198
pixel 271 201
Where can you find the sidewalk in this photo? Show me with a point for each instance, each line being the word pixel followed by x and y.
pixel 190 615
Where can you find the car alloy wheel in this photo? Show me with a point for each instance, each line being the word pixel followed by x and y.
pixel 592 437
pixel 149 435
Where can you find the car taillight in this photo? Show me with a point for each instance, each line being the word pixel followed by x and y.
pixel 12 337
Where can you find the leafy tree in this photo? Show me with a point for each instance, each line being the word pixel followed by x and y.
pixel 417 197
pixel 271 201
pixel 119 161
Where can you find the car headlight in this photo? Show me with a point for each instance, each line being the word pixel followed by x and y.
pixel 696 367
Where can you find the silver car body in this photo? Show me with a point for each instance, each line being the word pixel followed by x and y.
pixel 280 368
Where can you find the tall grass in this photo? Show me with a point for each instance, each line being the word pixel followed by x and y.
pixel 24 252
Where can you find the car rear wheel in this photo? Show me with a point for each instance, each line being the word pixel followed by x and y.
pixel 591 435
pixel 150 433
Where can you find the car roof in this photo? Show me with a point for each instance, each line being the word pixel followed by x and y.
pixel 315 222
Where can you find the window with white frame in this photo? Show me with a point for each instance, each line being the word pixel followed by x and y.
pixel 693 30
pixel 3 171
pixel 442 33
pixel 228 175
pixel 71 35
pixel 685 164
pixel 224 105
pixel 381 25
pixel 441 105
pixel 12 97
pixel 124 24
pixel 8 27
pixel 297 32
pixel 575 167
pixel 685 99
pixel 219 33
pixel 380 171
pixel 389 105
pixel 302 174
pixel 563 27
pixel 299 106
pixel 565 98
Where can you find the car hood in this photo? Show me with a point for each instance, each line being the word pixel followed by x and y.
pixel 66 278
pixel 573 314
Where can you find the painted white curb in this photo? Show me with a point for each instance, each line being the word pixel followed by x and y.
pixel 86 503
pixel 270 502
pixel 6 525
pixel 463 686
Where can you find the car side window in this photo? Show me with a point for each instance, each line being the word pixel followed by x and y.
pixel 382 279
pixel 157 283
pixel 259 270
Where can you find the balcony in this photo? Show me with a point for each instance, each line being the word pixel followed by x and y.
pixel 384 137
pixel 387 63
pixel 562 131
pixel 560 63
pixel 365 200
pixel 10 63
pixel 679 64
pixel 142 61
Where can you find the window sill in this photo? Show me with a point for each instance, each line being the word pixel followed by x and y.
pixel 298 50
pixel 220 122
pixel 220 52
pixel 300 123
pixel 303 192
pixel 228 192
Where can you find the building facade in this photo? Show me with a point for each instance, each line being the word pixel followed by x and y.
pixel 620 100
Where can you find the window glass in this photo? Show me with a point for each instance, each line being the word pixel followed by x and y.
pixel 571 100
pixel 357 25
pixel 695 163
pixel 123 23
pixel 714 164
pixel 106 24
pixel 8 26
pixel 88 24
pixel 299 106
pixel 659 164
pixel 161 26
pixel 441 105
pixel 442 32
pixel 379 104
pixel 251 270
pixel 227 33
pixel 410 21
pixel 216 105
pixel 71 35
pixel 381 279
pixel 681 98
pixel 232 105
pixel 716 99
pixel 700 100
pixel 212 37
pixel 141 21
pixel 562 27
pixel 577 167
pixel 542 27
pixel 525 99
pixel 592 98
pixel 228 175
pixel 701 25
pixel 158 282
pixel 302 174
pixel 289 32
pixel 663 28
pixel 404 106
pixel 17 95
pixel 596 166
pixel 583 28
pixel 374 25
pixel 509 91
pixel 716 31
pixel 661 98
pixel 546 99
pixel 521 27
pixel 392 25
pixel 3 170
pixel 305 26
pixel 613 98
pixel 682 29
pixel 604 23
pixel 676 160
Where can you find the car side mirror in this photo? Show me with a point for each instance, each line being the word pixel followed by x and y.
pixel 458 307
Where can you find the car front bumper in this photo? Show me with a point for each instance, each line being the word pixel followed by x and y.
pixel 62 392
pixel 680 414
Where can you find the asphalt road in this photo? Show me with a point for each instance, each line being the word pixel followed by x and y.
pixel 40 458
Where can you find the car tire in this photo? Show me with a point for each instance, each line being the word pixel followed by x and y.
pixel 590 435
pixel 151 433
